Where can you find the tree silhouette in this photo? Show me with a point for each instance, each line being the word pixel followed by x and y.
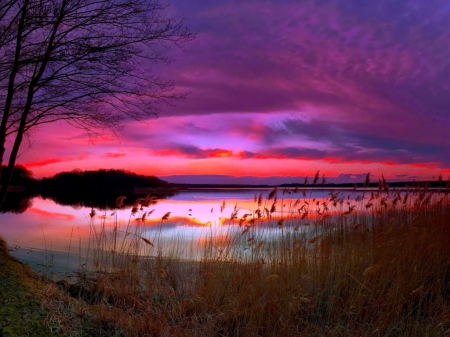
pixel 100 188
pixel 21 177
pixel 87 62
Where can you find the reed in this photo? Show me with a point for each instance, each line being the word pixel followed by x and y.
pixel 372 264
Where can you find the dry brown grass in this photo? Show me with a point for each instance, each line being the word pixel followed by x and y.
pixel 376 266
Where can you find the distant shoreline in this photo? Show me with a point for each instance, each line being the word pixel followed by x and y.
pixel 402 185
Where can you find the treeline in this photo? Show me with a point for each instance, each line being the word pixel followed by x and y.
pixel 98 188
pixel 21 177
pixel 99 181
pixel 23 185
pixel 103 180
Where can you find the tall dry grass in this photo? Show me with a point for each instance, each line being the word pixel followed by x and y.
pixel 372 264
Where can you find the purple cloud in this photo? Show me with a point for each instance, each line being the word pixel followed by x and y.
pixel 381 64
pixel 341 81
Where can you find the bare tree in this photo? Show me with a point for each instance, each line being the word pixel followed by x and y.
pixel 87 62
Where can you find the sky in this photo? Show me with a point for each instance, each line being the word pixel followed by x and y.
pixel 283 89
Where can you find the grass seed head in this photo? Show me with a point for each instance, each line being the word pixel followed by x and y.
pixel 304 300
pixel 119 201
pixel 417 291
pixel 147 241
pixel 92 214
pixel 316 178
pixel 315 239
pixel 372 270
pixel 272 277
pixel 162 273
pixel 355 227
pixel 367 181
pixel 272 193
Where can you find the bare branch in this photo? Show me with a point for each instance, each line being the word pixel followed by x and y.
pixel 87 62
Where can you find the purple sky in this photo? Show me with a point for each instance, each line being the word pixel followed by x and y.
pixel 286 88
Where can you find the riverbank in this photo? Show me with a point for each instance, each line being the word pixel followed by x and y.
pixel 21 297
pixel 33 306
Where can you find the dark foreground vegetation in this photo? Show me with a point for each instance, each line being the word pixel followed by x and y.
pixel 373 265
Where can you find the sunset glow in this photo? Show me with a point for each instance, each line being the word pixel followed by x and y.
pixel 291 89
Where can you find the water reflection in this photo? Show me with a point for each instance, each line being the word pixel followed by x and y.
pixel 17 202
pixel 104 200
pixel 183 222
pixel 41 223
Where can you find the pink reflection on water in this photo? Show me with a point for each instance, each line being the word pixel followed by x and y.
pixel 199 213
pixel 193 220
pixel 46 225
pixel 51 215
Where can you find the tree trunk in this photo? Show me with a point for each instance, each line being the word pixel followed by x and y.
pixel 23 119
pixel 12 161
pixel 12 77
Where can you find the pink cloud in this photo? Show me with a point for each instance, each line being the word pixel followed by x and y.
pixel 50 161
pixel 43 162
pixel 113 155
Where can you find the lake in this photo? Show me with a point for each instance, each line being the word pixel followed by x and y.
pixel 47 234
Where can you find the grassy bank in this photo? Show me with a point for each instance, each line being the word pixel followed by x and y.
pixel 21 298
pixel 31 305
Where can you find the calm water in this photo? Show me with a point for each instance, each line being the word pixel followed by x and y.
pixel 49 233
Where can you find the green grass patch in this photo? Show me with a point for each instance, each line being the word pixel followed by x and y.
pixel 21 311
